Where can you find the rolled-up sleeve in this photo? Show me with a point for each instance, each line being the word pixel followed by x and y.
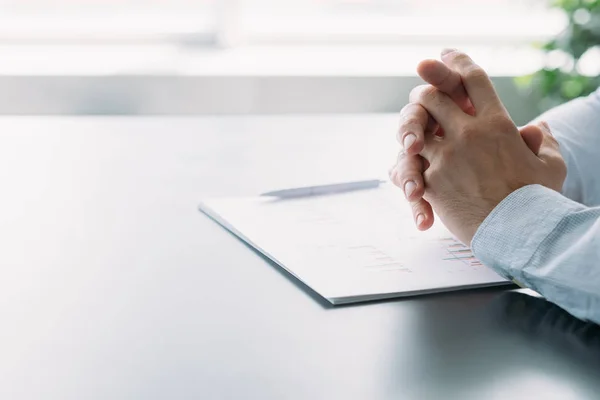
pixel 547 242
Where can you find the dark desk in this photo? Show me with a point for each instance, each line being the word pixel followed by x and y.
pixel 114 286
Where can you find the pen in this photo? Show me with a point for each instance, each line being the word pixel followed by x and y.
pixel 324 189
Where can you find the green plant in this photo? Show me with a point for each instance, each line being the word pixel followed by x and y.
pixel 559 83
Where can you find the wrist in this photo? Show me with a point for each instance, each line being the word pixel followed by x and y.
pixel 465 218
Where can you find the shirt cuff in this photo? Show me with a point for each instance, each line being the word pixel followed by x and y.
pixel 511 234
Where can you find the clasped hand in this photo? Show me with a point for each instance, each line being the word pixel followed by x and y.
pixel 461 152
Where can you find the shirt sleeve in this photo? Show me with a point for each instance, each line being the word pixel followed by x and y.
pixel 547 242
pixel 576 127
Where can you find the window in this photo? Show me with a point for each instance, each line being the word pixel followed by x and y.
pixel 236 22
pixel 397 20
pixel 106 20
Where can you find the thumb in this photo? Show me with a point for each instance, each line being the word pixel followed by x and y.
pixel 550 147
pixel 550 154
pixel 533 136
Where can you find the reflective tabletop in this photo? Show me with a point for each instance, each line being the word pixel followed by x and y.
pixel 114 286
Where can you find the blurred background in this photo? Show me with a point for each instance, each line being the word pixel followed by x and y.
pixel 280 56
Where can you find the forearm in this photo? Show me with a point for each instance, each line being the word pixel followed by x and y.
pixel 548 243
pixel 576 126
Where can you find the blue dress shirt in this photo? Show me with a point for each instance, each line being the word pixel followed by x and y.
pixel 550 241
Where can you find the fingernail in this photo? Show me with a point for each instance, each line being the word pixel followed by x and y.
pixel 409 139
pixel 448 51
pixel 409 188
pixel 420 219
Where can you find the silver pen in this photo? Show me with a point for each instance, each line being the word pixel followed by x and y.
pixel 324 189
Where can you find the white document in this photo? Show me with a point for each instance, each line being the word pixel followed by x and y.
pixel 354 246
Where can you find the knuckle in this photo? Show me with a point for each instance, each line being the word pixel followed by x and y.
pixel 400 158
pixel 475 72
pixel 417 207
pixel 401 180
pixel 395 176
pixel 463 60
pixel 447 152
pixel 428 93
pixel 408 109
pixel 413 119
pixel 392 172
pixel 500 124
pixel 410 120
pixel 415 93
pixel 468 132
pixel 423 94
pixel 409 165
pixel 460 56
